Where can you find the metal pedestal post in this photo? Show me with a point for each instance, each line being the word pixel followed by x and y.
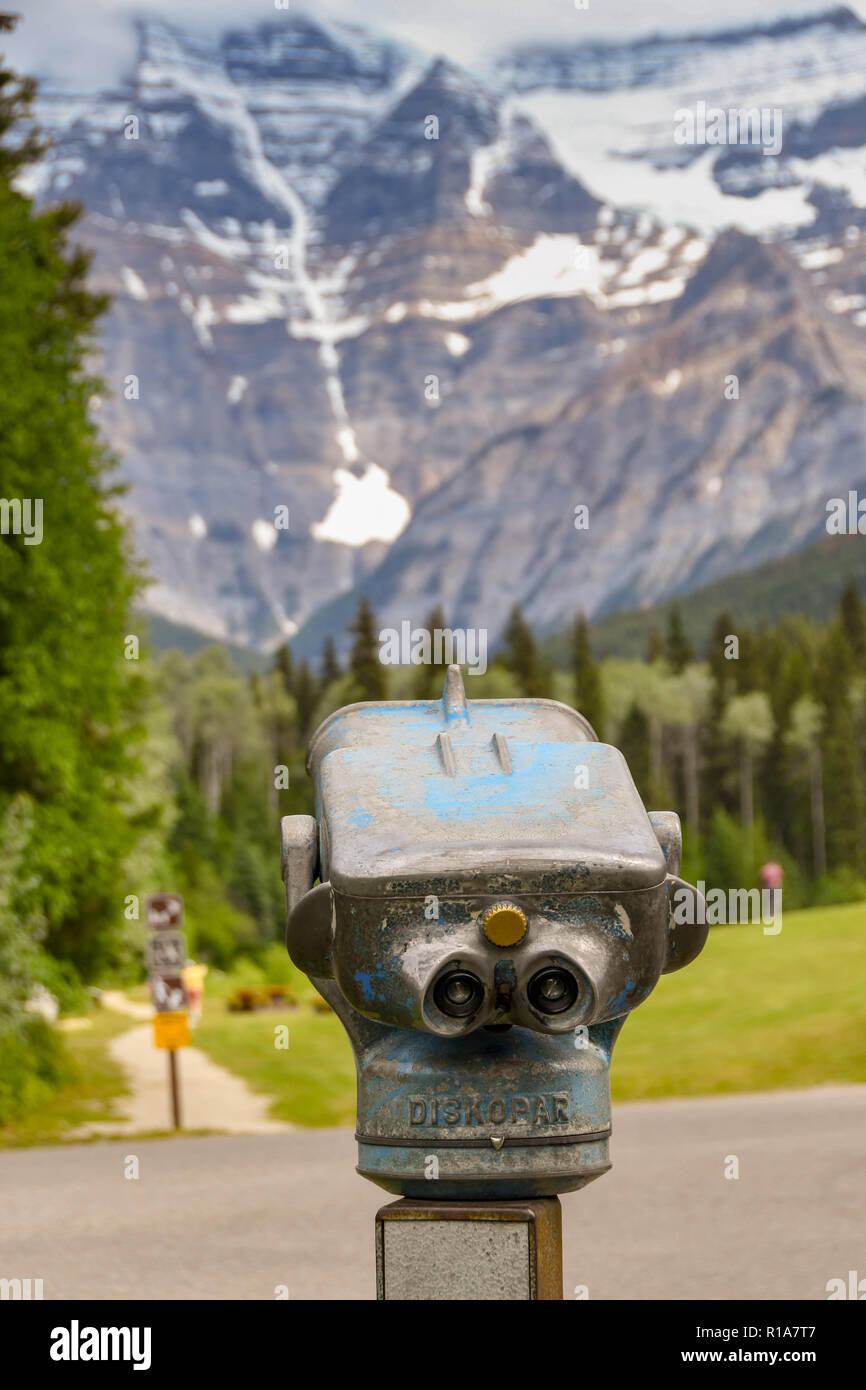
pixel 437 1251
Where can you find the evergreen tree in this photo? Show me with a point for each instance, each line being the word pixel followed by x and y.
pixel 714 747
pixel 678 649
pixel 634 743
pixel 284 663
pixel 853 619
pixel 781 785
pixel 522 657
pixel 429 680
pixel 587 678
pixel 751 668
pixel 251 884
pixel 841 766
pixel 306 697
pixel 331 670
pixel 278 720
pixel 71 705
pixel 366 669
pixel 33 1061
pixel 193 833
pixel 718 647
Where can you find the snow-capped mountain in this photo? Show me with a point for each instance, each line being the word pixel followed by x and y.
pixel 424 313
pixel 610 111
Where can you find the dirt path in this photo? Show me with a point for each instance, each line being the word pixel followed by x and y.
pixel 117 1001
pixel 211 1097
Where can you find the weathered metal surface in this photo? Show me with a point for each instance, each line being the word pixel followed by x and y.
pixel 299 848
pixel 488 1064
pixel 442 811
pixel 468 1251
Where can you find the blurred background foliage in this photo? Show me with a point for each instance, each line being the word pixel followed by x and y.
pixel 763 754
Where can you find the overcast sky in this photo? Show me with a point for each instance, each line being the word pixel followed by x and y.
pixel 89 41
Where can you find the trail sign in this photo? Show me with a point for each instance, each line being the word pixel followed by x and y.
pixel 169 993
pixel 164 911
pixel 166 952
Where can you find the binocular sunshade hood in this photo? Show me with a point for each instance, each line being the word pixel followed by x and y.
pixel 493 901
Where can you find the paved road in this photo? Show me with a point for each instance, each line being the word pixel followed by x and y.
pixel 233 1217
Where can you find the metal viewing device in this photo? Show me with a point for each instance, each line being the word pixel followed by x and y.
pixel 492 902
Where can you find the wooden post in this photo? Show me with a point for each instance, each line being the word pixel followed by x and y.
pixel 174 1080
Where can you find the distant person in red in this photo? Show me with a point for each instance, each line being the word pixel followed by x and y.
pixel 772 875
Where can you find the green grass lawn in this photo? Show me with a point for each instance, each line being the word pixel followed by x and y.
pixel 312 1082
pixel 753 1013
pixel 96 1083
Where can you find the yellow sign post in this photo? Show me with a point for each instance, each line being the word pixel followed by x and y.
pixel 171 1030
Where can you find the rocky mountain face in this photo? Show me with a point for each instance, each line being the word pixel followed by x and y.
pixel 383 323
pixel 675 497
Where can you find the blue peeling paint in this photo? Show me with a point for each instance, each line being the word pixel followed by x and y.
pixel 621 1001
pixel 371 992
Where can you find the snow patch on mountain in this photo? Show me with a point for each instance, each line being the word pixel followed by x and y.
pixel 134 284
pixel 365 509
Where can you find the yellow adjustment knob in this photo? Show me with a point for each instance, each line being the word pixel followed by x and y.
pixel 504 924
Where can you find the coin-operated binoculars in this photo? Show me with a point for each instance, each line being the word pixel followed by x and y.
pixel 493 902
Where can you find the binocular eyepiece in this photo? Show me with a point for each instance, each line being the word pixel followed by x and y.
pixel 551 992
pixel 458 994
pixel 553 997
